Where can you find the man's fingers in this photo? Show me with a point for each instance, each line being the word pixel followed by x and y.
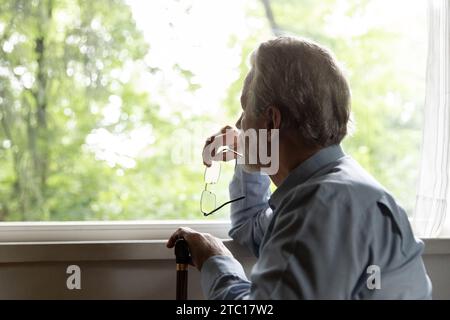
pixel 179 233
pixel 226 137
pixel 222 131
pixel 171 242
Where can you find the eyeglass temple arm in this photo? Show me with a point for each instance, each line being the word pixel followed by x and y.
pixel 227 148
pixel 223 205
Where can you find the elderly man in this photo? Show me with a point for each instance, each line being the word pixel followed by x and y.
pixel 330 230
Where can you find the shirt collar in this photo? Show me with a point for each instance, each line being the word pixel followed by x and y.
pixel 305 170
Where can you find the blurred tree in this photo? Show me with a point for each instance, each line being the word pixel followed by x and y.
pixel 60 64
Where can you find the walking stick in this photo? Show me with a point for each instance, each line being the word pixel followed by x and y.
pixel 182 257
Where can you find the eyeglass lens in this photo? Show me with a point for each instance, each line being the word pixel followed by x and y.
pixel 208 201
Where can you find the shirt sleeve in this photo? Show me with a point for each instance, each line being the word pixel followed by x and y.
pixel 223 278
pixel 250 216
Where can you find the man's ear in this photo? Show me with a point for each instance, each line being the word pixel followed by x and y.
pixel 273 118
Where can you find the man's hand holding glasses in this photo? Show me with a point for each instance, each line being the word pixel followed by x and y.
pixel 219 147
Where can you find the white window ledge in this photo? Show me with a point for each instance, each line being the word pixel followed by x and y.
pixel 105 230
pixel 109 241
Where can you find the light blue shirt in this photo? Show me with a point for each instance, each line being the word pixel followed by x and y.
pixel 329 231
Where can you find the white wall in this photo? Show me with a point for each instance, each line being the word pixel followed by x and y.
pixel 139 270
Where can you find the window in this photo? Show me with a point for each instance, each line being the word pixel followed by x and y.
pixel 105 105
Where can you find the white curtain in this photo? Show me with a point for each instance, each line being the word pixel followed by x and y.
pixel 433 197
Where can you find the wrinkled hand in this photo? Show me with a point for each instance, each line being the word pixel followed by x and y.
pixel 201 245
pixel 213 150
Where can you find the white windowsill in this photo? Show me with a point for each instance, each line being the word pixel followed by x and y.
pixel 120 240
pixel 105 230
pixel 99 240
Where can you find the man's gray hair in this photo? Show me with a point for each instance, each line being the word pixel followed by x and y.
pixel 303 80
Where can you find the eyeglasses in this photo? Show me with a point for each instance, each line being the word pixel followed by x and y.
pixel 208 204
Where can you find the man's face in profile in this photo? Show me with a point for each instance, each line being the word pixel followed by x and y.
pixel 245 122
pixel 253 140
